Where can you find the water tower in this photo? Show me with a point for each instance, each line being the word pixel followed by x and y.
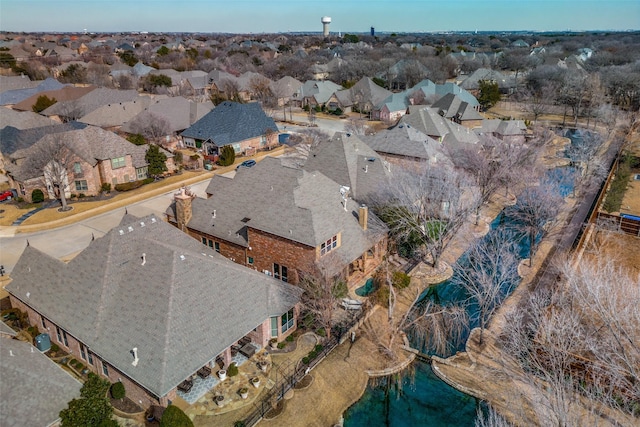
pixel 326 20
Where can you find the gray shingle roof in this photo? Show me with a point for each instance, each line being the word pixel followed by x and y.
pixel 12 139
pixel 428 121
pixel 112 115
pixel 406 141
pixel 298 205
pixel 179 112
pixel 23 119
pixel 92 101
pixel 452 106
pixel 231 122
pixel 17 95
pixel 365 91
pixel 181 307
pixel 344 160
pixel 321 91
pixel 33 388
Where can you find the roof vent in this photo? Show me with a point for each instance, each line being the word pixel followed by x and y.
pixel 213 214
pixel 144 258
pixel 28 294
pixel 121 232
pixel 141 223
pixel 134 350
pixel 130 229
pixel 153 220
pixel 182 257
pixel 348 134
pixel 245 219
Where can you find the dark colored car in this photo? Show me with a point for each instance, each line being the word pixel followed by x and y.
pixel 246 164
pixel 6 195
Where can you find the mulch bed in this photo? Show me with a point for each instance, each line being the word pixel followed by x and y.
pixel 304 382
pixel 125 405
pixel 271 414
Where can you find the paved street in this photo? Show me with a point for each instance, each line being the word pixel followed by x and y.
pixel 64 242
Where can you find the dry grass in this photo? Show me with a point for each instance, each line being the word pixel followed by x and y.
pixel 11 212
pixel 52 214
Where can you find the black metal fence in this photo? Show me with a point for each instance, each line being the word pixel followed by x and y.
pixel 290 377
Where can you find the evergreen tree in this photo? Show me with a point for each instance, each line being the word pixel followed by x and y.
pixel 156 159
pixel 489 94
pixel 42 103
pixel 92 408
pixel 227 156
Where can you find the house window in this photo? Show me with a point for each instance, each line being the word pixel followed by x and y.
pixel 216 246
pixel 204 241
pixel 326 247
pixel 237 148
pixel 44 322
pixel 274 327
pixel 117 162
pixel 90 357
pixel 250 260
pixel 105 369
pixel 83 352
pixel 114 180
pixel 141 173
pixel 77 168
pixel 287 321
pixel 126 177
pixel 263 141
pixel 64 338
pixel 280 272
pixel 210 243
pixel 58 335
pixel 81 185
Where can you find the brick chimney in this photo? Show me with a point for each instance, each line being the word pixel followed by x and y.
pixel 363 216
pixel 183 207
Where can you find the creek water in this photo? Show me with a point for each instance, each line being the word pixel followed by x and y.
pixel 425 400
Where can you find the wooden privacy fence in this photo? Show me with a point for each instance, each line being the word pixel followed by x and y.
pixel 618 223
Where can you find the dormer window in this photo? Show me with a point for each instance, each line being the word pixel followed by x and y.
pixel 330 244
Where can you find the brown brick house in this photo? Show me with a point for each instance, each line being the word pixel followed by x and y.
pixel 92 157
pixel 149 306
pixel 284 222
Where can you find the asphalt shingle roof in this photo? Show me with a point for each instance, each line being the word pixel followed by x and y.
pixel 148 285
pixel 231 122
pixel 34 389
pixel 406 141
pixel 23 119
pixel 92 101
pixel 14 96
pixel 298 205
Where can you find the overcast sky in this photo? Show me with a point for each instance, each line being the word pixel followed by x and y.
pixel 271 16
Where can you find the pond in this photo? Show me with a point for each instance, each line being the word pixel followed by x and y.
pixel 428 400
pixel 365 289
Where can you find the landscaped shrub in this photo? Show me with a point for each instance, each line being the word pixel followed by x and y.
pixel 175 417
pixel 321 332
pixel 281 345
pixel 401 279
pixel 33 331
pixel 81 196
pixel 37 196
pixel 128 186
pixel 381 297
pixel 289 338
pixel 318 348
pixel 305 360
pixel 55 347
pixel 106 187
pixel 117 390
pixel 227 156
pixel 232 371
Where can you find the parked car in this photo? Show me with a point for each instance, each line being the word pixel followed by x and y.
pixel 246 164
pixel 6 195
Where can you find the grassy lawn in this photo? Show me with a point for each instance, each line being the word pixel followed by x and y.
pixel 12 212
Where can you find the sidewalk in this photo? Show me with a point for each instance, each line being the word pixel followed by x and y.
pixel 126 199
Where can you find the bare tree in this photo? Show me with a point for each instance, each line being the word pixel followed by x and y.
pixel 535 212
pixel 70 111
pixel 261 89
pixel 426 209
pixel 51 157
pixel 489 275
pixel 357 126
pixel 320 297
pixel 150 125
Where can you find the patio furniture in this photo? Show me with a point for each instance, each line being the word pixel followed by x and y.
pixel 204 372
pixel 248 350
pixel 244 341
pixel 185 386
pixel 234 350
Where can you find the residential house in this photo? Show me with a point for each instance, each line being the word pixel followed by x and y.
pixel 317 93
pixel 347 160
pixel 362 96
pixel 404 74
pixel 96 157
pixel 324 71
pixel 452 107
pixel 245 127
pixel 428 121
pixel 472 83
pixel 509 131
pixel 176 114
pixel 34 388
pixel 285 222
pixel 406 146
pixel 285 89
pixel 113 116
pixel 149 306
pixel 76 108
pixel 15 96
pixel 64 94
